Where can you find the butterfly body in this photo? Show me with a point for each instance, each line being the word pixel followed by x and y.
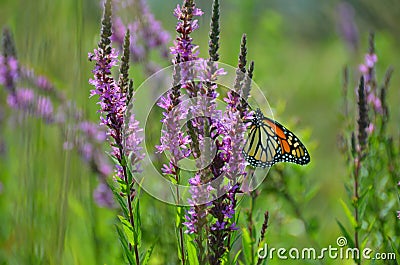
pixel 269 142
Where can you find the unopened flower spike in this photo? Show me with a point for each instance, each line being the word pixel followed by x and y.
pixel 234 95
pixel 213 43
pixel 213 46
pixel 243 54
pixel 124 81
pixel 106 26
pixel 363 120
pixel 8 45
pixel 9 67
pixel 243 107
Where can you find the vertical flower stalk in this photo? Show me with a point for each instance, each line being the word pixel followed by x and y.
pixel 233 98
pixel 185 53
pixel 113 99
pixel 174 140
pixel 183 44
pixel 9 68
pixel 217 218
pixel 366 91
pixel 223 209
pixel 367 69
pixel 261 240
pixel 363 119
pixel 374 169
pixel 359 148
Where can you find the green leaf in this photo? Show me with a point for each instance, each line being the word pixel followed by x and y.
pixel 350 241
pixel 180 216
pixel 363 201
pixel 246 246
pixel 127 229
pixel 137 229
pixel 236 258
pixel 349 214
pixel 125 222
pixel 123 161
pixel 311 193
pixel 146 258
pixel 123 188
pixel 192 252
pixel 113 158
pixel 395 250
pixel 125 245
pixel 129 175
pixel 121 200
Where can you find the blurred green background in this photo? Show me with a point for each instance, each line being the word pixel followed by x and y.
pixel 47 214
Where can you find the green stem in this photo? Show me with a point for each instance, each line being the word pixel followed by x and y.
pixel 356 199
pixel 177 170
pixel 130 208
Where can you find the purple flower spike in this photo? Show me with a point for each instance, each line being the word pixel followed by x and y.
pixel 45 108
pixel 9 72
pixel 186 25
pixel 367 69
pixel 22 99
pixel 103 196
pixel 173 139
pixel 370 60
pixel 132 143
pixel 218 226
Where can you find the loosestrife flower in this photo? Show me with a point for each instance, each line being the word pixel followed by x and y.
pixel 223 209
pixel 102 196
pixel 173 139
pixel 183 47
pixel 186 25
pixel 113 99
pixel 123 133
pixel 367 69
pixel 9 72
pixel 187 52
pixel 216 138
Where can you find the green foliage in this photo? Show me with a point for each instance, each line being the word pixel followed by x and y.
pixel 192 252
pixel 47 213
pixel 373 191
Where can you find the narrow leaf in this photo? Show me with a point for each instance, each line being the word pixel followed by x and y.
pixel 349 214
pixel 346 234
pixel 192 253
pixel 395 250
pixel 146 258
pixel 246 243
pixel 125 245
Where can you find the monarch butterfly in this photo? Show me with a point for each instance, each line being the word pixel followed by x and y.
pixel 269 142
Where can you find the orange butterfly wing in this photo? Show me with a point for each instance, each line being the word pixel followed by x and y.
pixel 269 142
